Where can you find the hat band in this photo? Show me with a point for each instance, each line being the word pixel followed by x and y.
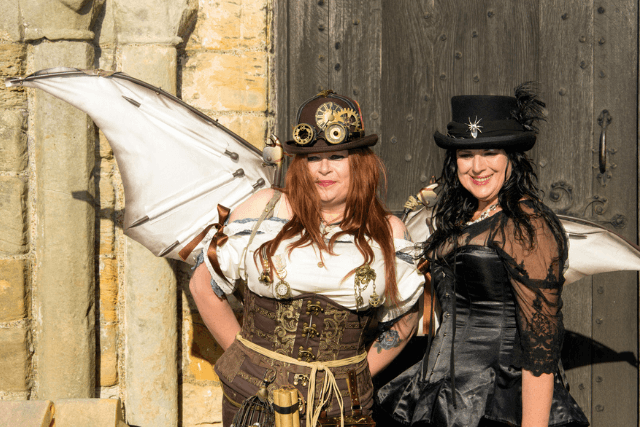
pixel 485 129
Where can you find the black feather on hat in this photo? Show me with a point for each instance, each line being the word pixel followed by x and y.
pixel 489 121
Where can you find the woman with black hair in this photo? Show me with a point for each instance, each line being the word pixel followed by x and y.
pixel 496 260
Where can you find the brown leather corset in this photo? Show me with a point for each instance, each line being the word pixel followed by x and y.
pixel 308 328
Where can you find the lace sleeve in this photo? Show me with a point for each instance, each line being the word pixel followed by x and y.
pixel 536 277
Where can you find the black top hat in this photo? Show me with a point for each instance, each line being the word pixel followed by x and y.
pixel 328 122
pixel 487 121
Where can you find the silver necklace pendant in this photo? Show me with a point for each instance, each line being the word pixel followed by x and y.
pixel 484 215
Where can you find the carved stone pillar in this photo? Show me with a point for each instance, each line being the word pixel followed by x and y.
pixel 148 34
pixel 65 217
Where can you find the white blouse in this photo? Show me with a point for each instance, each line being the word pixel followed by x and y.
pixel 307 272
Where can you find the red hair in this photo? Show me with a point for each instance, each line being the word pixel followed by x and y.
pixel 365 216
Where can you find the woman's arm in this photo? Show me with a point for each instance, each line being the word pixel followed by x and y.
pixel 215 311
pixel 537 393
pixel 391 342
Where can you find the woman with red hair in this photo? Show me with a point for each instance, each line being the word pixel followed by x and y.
pixel 322 260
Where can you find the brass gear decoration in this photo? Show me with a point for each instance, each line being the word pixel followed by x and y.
pixel 350 118
pixel 303 134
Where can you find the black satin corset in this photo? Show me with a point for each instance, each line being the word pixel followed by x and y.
pixel 480 276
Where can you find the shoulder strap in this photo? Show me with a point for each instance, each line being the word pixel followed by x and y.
pixel 266 213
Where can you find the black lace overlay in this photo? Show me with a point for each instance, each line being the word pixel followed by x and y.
pixel 500 300
pixel 535 271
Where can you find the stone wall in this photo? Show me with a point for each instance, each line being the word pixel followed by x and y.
pixel 73 289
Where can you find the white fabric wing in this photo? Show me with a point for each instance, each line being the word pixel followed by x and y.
pixel 594 249
pixel 176 164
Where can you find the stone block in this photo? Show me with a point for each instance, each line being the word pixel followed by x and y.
pixel 30 413
pixel 159 21
pixel 13 141
pixel 142 62
pixel 250 127
pixel 14 359
pixel 108 355
pixel 108 282
pixel 13 57
pixel 64 159
pixel 13 235
pixel 104 149
pixel 12 64
pixel 204 351
pixel 107 192
pixel 59 19
pixel 13 281
pixel 106 234
pixel 88 413
pixel 201 405
pixel 226 82
pixel 230 24
pixel 10 21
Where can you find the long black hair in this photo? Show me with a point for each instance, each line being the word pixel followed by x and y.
pixel 456 205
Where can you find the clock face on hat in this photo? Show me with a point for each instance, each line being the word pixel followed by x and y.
pixel 327 112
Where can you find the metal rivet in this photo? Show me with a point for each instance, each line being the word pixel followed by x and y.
pixel 601 41
pixel 476 78
pixel 407 158
pixel 337 67
pixel 601 289
pixel 565 16
pixel 543 163
pixel 599 320
pixel 601 10
pixel 598 379
pixel 320 2
pixel 320 264
pixel 356 91
pixel 474 34
pixel 337 45
pixel 321 58
pixel 374 116
pixel 423 178
pixel 321 27
pixel 394 140
pixel 443 76
pixel 602 75
pixel 426 16
pixel 409 118
pixel 582 39
pixel 458 55
pixel 355 21
pixel 490 14
pixel 581 386
pixel 426 98
pixel 583 64
pixel 443 37
pixel 444 335
pixel 599 408
pixel 562 92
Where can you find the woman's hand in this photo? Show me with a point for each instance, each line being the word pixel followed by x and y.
pixel 390 343
pixel 215 311
pixel 537 393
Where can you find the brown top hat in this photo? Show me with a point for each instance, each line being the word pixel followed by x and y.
pixel 328 122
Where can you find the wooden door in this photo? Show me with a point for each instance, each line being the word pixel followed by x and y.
pixel 404 59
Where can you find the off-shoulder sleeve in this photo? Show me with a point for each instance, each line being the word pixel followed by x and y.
pixel 230 255
pixel 536 278
pixel 410 283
